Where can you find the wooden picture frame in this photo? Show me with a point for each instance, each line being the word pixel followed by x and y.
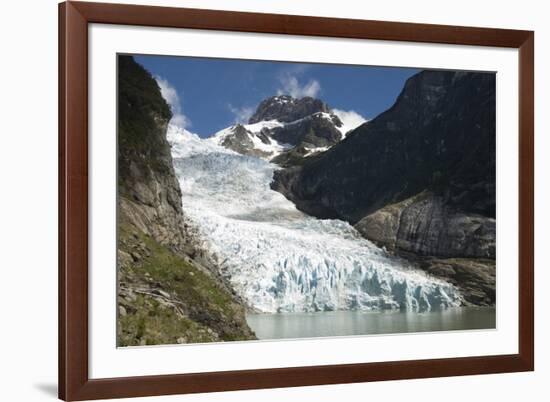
pixel 74 381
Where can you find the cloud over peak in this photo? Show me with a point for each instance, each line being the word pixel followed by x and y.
pixel 290 85
pixel 241 114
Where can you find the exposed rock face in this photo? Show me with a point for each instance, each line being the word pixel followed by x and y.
pixel 425 225
pixel 148 189
pixel 285 130
pixel 285 108
pixel 439 135
pixel 316 130
pixel 240 140
pixel 169 290
pixel 419 179
pixel 475 277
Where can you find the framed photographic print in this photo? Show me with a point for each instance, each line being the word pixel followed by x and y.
pixel 258 200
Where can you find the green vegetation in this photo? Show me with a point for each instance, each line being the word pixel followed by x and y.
pixel 153 323
pixel 164 295
pixel 139 101
pixel 142 118
pixel 165 299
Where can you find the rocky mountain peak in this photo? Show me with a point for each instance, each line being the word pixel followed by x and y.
pixel 438 136
pixel 285 108
pixel 284 130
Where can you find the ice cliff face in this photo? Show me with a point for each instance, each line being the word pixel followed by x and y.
pixel 278 258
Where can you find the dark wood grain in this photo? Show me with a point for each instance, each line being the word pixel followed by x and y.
pixel 73 196
pixel 74 382
pixel 527 201
pixel 61 207
pixel 298 25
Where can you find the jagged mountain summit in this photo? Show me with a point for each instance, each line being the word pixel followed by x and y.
pixel 285 130
pixel 286 109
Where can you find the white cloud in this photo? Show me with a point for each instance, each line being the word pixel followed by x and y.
pixel 291 86
pixel 170 94
pixel 350 119
pixel 242 114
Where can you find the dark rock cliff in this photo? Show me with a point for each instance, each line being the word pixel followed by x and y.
pixel 149 192
pixel 439 135
pixel 312 131
pixel 426 225
pixel 419 179
pixel 285 108
pixel 168 290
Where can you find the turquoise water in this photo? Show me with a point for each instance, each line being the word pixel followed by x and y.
pixel 342 323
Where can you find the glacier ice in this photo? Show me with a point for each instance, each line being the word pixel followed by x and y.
pixel 279 259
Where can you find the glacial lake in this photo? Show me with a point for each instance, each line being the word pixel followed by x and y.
pixel 342 323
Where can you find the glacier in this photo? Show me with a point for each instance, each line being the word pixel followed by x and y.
pixel 280 259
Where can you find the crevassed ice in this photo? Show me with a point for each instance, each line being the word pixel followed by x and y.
pixel 279 259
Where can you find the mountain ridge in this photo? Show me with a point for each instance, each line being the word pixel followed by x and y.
pixel 286 108
pixel 421 142
pixel 284 129
pixel 418 180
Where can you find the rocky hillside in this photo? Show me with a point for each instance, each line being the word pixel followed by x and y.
pixel 285 130
pixel 286 109
pixel 419 178
pixel 169 291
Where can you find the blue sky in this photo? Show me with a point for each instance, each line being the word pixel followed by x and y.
pixel 207 95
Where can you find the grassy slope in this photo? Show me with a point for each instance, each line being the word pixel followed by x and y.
pixel 168 299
